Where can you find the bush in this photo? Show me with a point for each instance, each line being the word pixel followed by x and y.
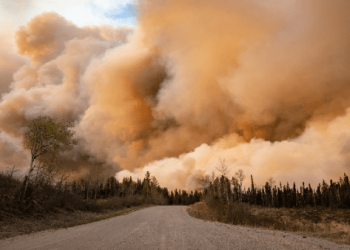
pixel 116 203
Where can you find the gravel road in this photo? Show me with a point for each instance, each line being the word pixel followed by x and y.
pixel 163 227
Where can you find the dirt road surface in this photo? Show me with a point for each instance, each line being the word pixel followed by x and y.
pixel 163 227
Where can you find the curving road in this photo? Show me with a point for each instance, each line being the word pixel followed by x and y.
pixel 162 227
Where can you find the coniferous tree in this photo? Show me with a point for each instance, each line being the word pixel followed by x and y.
pixel 325 195
pixel 268 195
pixel 146 184
pixel 284 202
pixel 318 196
pixel 139 187
pixel 235 185
pixel 279 197
pixel 176 197
pixel 197 196
pixel 294 196
pixel 275 199
pixel 165 193
pixel 172 198
pixel 345 191
pixel 253 191
pixel 311 198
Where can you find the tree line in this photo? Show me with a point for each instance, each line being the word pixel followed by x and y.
pixel 148 188
pixel 48 191
pixel 224 190
pixel 47 187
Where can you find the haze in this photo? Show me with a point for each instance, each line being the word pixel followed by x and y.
pixel 264 85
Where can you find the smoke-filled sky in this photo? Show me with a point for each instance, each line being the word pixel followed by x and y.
pixel 264 85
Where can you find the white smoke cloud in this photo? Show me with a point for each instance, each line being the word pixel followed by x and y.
pixel 322 152
pixel 264 86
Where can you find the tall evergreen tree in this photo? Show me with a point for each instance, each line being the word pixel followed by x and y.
pixel 253 191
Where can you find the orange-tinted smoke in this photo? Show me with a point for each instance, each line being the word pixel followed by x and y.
pixel 193 73
pixel 262 70
pixel 44 37
pixel 51 84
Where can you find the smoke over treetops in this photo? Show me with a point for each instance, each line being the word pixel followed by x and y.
pixel 263 85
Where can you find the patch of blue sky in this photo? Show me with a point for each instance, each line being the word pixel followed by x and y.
pixel 118 13
pixel 127 12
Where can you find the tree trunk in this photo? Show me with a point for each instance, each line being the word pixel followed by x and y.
pixel 87 194
pixel 26 180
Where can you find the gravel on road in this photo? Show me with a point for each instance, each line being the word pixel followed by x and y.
pixel 163 227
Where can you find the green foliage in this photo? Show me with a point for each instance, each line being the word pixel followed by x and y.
pixel 46 135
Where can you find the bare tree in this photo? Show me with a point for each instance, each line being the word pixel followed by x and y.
pixel 222 168
pixel 11 171
pixel 204 182
pixel 96 178
pixel 62 178
pixel 271 181
pixel 212 177
pixel 235 182
pixel 47 169
pixel 239 175
pixel 87 180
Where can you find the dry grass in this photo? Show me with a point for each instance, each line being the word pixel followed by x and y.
pixel 12 225
pixel 201 210
pixel 333 225
pixel 323 223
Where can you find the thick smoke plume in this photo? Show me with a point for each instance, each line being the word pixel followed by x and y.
pixel 263 85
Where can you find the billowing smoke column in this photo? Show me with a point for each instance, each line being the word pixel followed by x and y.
pixel 263 85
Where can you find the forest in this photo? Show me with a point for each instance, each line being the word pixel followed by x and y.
pixel 322 212
pixel 333 195
pixel 46 187
pixel 49 191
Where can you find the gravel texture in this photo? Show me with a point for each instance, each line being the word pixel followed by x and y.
pixel 163 227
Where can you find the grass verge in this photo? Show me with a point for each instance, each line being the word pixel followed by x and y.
pixel 324 223
pixel 14 225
